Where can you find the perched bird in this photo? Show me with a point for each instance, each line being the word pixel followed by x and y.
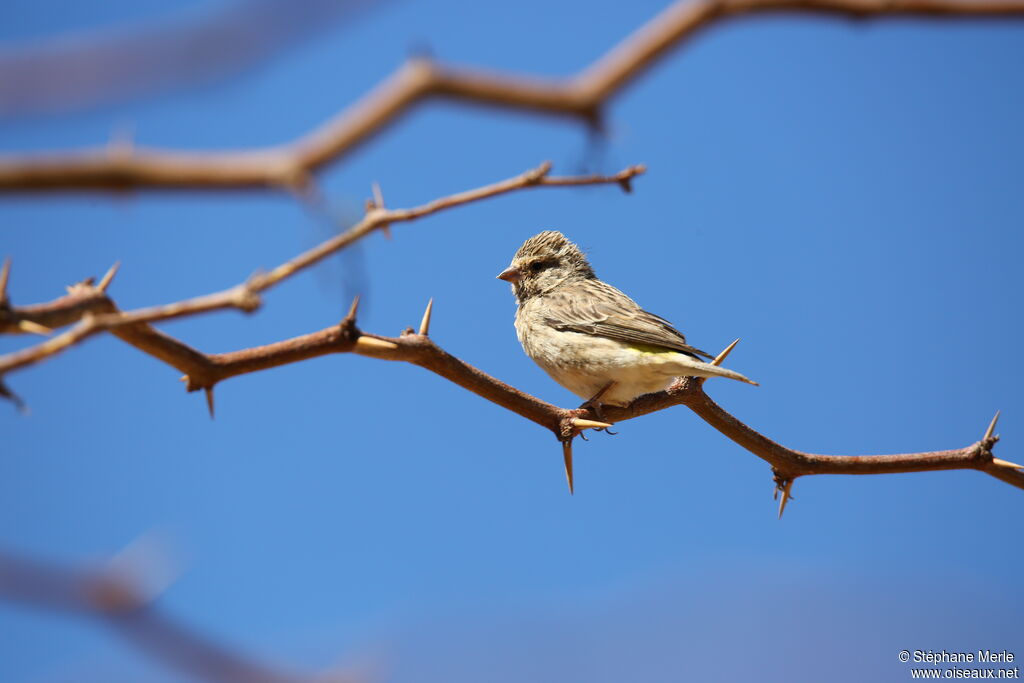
pixel 591 338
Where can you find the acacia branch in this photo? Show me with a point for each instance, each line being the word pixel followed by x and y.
pixel 204 371
pixel 787 463
pixel 419 349
pixel 96 312
pixel 292 165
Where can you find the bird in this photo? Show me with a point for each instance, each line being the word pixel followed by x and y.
pixel 589 336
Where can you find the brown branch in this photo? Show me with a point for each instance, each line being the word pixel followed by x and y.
pixel 205 371
pixel 293 164
pixel 114 596
pixel 420 350
pixel 787 463
pixel 97 313
pixel 567 423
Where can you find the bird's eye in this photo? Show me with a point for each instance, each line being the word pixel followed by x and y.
pixel 537 266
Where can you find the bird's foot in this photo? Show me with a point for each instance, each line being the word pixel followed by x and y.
pixel 593 404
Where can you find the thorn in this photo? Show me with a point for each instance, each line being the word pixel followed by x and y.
pixel 425 323
pixel 352 309
pixel 625 177
pixel 108 277
pixel 538 174
pixel 83 287
pixel 784 489
pixel 580 423
pixel 209 400
pixel 373 344
pixel 999 462
pixel 991 427
pixel 378 203
pixel 5 274
pixel 593 117
pixel 720 358
pixel 32 327
pixel 567 458
pixel 5 392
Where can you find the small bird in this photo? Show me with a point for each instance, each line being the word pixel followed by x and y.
pixel 591 338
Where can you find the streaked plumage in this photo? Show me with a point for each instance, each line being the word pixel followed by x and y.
pixel 586 333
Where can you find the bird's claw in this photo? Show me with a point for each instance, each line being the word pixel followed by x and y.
pixel 593 405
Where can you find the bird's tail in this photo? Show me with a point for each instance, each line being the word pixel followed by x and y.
pixel 692 367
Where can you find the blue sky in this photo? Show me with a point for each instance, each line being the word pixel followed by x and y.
pixel 845 197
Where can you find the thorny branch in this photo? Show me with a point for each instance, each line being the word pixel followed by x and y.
pixel 418 349
pixel 96 312
pixel 204 371
pixel 291 166
pixel 565 424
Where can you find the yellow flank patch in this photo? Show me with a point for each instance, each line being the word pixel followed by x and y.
pixel 649 350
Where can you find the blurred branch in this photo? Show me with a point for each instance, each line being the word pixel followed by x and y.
pixel 582 96
pixel 96 312
pixel 187 49
pixel 114 596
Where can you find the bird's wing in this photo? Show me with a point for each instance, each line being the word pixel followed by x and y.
pixel 594 307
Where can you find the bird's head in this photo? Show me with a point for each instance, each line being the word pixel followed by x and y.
pixel 545 261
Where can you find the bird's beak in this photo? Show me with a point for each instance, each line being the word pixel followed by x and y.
pixel 510 274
